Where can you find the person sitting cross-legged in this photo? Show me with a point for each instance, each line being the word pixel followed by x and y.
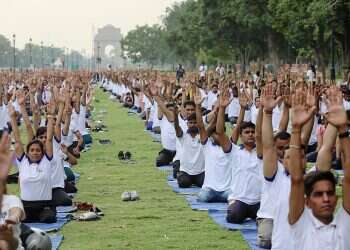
pixel 192 158
pixel 216 186
pixel 246 183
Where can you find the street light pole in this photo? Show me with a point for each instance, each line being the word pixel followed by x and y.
pixel 42 54
pixel 30 52
pixel 14 51
pixel 51 52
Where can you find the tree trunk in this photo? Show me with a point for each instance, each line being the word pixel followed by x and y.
pixel 272 49
pixel 346 47
pixel 320 58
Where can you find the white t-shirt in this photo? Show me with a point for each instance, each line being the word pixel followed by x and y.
pixel 267 203
pixel 279 187
pixel 246 180
pixel 9 202
pixel 183 126
pixel 212 97
pixel 82 120
pixel 192 158
pixel 58 174
pixel 234 108
pixel 309 233
pixel 35 179
pixel 4 118
pixel 167 134
pixel 217 168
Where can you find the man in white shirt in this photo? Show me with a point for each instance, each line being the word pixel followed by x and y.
pixel 313 200
pixel 244 200
pixel 217 181
pixel 192 158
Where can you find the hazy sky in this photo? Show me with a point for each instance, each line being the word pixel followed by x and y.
pixel 69 23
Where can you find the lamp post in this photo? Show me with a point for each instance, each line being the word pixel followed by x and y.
pixel 51 55
pixel 98 56
pixel 14 51
pixel 30 52
pixel 42 54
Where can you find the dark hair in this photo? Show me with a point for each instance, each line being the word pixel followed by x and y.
pixel 189 103
pixel 245 125
pixel 40 131
pixel 192 117
pixel 170 105
pixel 41 145
pixel 316 176
pixel 282 135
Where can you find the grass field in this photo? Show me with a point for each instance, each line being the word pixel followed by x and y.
pixel 160 220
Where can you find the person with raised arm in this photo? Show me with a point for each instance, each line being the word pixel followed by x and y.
pixel 244 200
pixel 313 200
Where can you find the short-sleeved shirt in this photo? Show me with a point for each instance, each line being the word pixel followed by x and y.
pixel 309 233
pixel 192 158
pixel 35 179
pixel 246 182
pixel 217 167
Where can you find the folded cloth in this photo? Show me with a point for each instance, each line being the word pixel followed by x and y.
pixel 219 216
pixel 250 236
pixel 177 189
pixel 56 240
pixel 204 206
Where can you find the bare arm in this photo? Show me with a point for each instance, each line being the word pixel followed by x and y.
pixel 50 129
pixel 18 147
pixel 178 129
pixel 225 143
pixel 258 133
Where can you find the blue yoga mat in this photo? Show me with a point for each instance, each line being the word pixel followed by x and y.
pixel 52 227
pixel 77 176
pixel 250 236
pixel 176 189
pixel 155 137
pixel 170 177
pixel 165 168
pixel 220 218
pixel 56 240
pixel 204 206
pixel 66 209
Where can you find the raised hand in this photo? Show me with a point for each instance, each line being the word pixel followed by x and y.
pixel 51 108
pixel 311 97
pixel 5 156
pixel 269 99
pixel 198 97
pixel 11 110
pixel 243 100
pixel 301 114
pixel 336 114
pixel 21 97
pixel 225 98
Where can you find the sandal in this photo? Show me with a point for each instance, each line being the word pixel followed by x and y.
pixel 121 155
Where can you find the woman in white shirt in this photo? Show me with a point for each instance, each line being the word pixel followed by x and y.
pixel 35 172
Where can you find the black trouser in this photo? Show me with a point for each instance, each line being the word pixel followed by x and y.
pixel 238 211
pixel 70 188
pixel 176 168
pixel 60 197
pixel 165 157
pixel 185 180
pixel 39 211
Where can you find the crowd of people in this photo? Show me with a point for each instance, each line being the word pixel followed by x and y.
pixel 53 107
pixel 267 145
pixel 280 165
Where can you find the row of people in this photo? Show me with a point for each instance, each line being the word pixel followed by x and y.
pixel 263 177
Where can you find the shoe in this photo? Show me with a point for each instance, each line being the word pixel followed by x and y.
pixel 127 155
pixel 97 211
pixel 121 155
pixel 134 196
pixel 126 196
pixel 88 216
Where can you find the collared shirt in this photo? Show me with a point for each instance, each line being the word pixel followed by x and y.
pixel 246 182
pixel 309 233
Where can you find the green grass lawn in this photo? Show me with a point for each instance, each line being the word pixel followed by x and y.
pixel 160 220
